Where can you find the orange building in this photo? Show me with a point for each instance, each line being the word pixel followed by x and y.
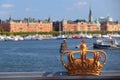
pixel 110 26
pixel 93 27
pixel 27 25
pixel 107 24
pixel 32 25
pixel 80 25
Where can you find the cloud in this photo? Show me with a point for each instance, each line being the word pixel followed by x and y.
pixel 7 12
pixel 30 10
pixel 76 5
pixel 6 5
pixel 2 12
pixel 80 4
pixel 27 9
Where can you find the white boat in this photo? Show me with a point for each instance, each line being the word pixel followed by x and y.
pixel 115 35
pixel 105 36
pixel 88 36
pixel 2 38
pixel 61 37
pixel 106 44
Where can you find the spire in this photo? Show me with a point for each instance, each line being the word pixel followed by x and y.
pixel 10 18
pixel 90 14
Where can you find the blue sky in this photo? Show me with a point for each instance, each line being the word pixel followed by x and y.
pixel 59 9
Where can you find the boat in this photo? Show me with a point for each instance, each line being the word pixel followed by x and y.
pixel 89 36
pixel 61 37
pixel 115 35
pixel 79 36
pixel 106 44
pixel 105 36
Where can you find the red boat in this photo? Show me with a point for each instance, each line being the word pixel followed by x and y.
pixel 77 37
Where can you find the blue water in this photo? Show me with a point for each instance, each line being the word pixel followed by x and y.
pixel 43 55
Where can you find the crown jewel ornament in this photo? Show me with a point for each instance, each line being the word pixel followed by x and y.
pixel 83 65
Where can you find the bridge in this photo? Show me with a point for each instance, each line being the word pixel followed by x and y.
pixel 105 75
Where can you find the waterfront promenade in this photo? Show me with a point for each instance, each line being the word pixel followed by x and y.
pixel 105 75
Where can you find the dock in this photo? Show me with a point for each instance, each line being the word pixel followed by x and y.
pixel 105 75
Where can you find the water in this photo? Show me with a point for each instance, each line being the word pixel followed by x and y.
pixel 43 56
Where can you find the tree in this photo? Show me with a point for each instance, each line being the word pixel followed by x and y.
pixel 1 29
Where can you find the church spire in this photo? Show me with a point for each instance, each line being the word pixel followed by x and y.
pixel 90 15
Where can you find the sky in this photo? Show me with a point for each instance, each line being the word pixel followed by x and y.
pixel 59 9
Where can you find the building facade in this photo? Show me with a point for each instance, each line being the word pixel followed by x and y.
pixel 32 25
pixel 27 25
pixel 110 26
pixel 80 25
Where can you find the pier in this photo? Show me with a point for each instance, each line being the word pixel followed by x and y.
pixel 105 75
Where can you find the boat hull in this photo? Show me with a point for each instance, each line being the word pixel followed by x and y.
pixel 78 37
pixel 61 37
pixel 99 46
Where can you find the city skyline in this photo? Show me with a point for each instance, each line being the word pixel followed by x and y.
pixel 59 9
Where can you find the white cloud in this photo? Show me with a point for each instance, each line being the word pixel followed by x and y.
pixel 80 4
pixel 76 5
pixel 6 5
pixel 27 9
pixel 7 12
pixel 31 10
pixel 2 12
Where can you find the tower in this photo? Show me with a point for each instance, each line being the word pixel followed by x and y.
pixel 90 15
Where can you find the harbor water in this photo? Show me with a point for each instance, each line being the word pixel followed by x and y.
pixel 44 56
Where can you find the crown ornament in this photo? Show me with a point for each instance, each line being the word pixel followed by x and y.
pixel 84 65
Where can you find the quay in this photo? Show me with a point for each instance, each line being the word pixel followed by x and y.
pixel 105 75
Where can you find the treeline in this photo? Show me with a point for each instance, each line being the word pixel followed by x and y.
pixel 55 33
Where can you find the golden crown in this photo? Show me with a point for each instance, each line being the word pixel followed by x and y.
pixel 84 65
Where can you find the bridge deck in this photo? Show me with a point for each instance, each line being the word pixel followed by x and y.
pixel 105 75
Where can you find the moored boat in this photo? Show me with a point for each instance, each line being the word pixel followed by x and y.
pixel 77 37
pixel 61 37
pixel 106 44
pixel 81 36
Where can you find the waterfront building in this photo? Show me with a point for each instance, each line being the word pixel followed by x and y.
pixel 81 25
pixel 77 25
pixel 110 26
pixel 32 25
pixel 92 25
pixel 26 25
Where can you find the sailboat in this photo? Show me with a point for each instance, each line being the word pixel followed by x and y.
pixel 61 36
